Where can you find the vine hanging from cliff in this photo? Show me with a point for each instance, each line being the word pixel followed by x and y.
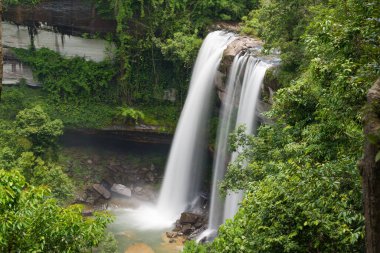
pixel 157 41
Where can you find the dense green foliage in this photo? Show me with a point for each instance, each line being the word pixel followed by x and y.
pixel 69 79
pixel 157 41
pixel 33 189
pixel 303 185
pixel 28 144
pixel 82 113
pixel 79 114
pixel 34 222
pixel 35 125
pixel 281 24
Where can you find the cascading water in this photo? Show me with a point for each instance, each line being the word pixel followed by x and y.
pixel 222 157
pixel 243 87
pixel 183 169
pixel 253 78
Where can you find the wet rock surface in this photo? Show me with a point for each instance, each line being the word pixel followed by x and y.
pixel 123 182
pixel 188 226
pixel 129 171
pixel 102 191
pixel 235 47
pixel 122 190
pixel 253 46
pixel 71 17
pixel 224 25
pixel 189 218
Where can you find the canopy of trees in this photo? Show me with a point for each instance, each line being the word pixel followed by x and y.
pixel 303 184
pixel 303 191
pixel 34 190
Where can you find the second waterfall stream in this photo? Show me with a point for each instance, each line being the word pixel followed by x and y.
pixel 243 87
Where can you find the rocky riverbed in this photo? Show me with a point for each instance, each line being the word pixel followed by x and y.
pixel 122 177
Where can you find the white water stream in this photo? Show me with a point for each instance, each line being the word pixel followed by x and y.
pixel 221 156
pixel 243 88
pixel 251 85
pixel 184 166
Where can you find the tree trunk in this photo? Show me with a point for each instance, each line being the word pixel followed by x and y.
pixel 1 48
pixel 370 170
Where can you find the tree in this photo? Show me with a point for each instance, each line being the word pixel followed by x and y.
pixel 32 221
pixel 39 172
pixel 370 170
pixel 37 127
pixel 300 173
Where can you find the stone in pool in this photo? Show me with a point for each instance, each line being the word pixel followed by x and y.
pixel 121 189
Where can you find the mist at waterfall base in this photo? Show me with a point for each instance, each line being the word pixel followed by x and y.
pixel 243 89
pixel 185 165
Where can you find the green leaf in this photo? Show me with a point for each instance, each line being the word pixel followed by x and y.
pixel 377 158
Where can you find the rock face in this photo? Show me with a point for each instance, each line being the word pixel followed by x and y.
pixel 226 26
pixel 189 225
pixel 234 48
pixel 121 189
pixel 254 46
pixel 102 191
pixel 187 229
pixel 67 16
pixel 189 218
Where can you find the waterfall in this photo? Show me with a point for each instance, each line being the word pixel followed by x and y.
pixel 251 84
pixel 184 167
pixel 221 156
pixel 243 87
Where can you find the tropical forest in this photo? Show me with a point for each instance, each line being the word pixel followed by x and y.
pixel 195 126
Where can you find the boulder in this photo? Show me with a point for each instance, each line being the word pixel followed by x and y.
pixel 149 177
pixel 199 224
pixel 138 189
pixel 121 189
pixel 177 229
pixel 234 48
pixel 171 234
pixel 187 229
pixel 91 196
pixel 109 180
pixel 102 191
pixel 189 218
